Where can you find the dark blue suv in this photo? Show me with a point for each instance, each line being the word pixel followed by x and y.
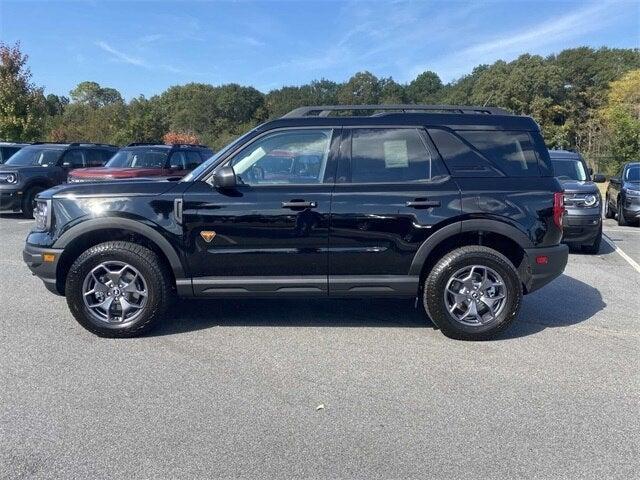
pixel 455 206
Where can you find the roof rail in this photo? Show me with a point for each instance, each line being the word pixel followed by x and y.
pixel 76 144
pixel 325 110
pixel 140 144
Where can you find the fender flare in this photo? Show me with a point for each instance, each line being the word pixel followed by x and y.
pixel 456 228
pixel 97 224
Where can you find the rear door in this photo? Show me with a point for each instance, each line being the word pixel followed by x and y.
pixel 392 191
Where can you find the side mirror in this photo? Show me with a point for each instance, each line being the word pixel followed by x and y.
pixel 590 171
pixel 66 164
pixel 224 178
pixel 599 178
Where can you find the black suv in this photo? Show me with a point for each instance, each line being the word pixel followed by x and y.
pixel 582 200
pixel 40 166
pixel 623 195
pixel 9 148
pixel 455 206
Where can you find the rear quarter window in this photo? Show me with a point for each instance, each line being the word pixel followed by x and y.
pixel 512 152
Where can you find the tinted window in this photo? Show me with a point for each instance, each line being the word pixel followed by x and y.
pixel 178 161
pixel 193 160
pixel 36 156
pixel 288 157
pixel 569 170
pixel 512 152
pixel 6 152
pixel 73 159
pixel 97 158
pixel 381 155
pixel 139 158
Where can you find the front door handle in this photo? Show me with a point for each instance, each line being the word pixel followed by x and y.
pixel 299 204
pixel 421 203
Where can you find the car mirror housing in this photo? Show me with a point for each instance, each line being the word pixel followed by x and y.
pixel 224 178
pixel 599 178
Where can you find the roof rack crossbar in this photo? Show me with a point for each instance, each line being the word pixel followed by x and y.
pixel 325 110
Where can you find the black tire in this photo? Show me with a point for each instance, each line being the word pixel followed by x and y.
pixel 151 267
pixel 28 199
pixel 622 221
pixel 594 248
pixel 436 281
pixel 608 211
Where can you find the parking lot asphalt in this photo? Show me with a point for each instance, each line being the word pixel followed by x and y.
pixel 232 389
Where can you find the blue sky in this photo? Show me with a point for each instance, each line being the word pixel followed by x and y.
pixel 144 47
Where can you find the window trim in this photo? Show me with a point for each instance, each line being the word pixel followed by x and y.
pixel 422 132
pixel 334 152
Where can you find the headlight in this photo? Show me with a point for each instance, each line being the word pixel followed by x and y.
pixel 590 200
pixel 42 214
pixel 9 177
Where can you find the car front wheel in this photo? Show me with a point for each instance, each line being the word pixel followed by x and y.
pixel 118 289
pixel 472 293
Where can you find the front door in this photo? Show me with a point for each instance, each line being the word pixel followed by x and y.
pixel 392 192
pixel 270 234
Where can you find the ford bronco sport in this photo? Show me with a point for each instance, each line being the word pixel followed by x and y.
pixel 455 206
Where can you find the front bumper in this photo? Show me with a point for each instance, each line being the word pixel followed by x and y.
pixel 536 275
pixel 45 271
pixel 10 200
pixel 581 229
pixel 631 207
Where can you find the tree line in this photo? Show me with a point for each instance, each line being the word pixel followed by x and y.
pixel 583 98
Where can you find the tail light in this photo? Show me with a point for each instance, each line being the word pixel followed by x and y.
pixel 558 208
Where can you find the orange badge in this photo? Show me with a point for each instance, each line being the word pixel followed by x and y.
pixel 207 235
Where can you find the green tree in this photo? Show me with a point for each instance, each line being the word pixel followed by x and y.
pixel 621 119
pixel 361 89
pixel 95 96
pixel 391 92
pixel 22 104
pixel 424 88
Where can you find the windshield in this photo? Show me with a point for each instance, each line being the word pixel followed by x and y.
pixel 36 156
pixel 569 170
pixel 139 158
pixel 214 159
pixel 632 175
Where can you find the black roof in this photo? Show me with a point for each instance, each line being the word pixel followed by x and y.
pixel 455 117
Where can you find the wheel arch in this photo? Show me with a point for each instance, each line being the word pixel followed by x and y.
pixel 501 236
pixel 92 232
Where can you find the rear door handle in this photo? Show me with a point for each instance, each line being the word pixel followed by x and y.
pixel 299 204
pixel 421 203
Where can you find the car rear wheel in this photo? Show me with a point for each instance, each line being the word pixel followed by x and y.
pixel 118 289
pixel 472 293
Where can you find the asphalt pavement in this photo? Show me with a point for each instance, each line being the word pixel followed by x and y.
pixel 232 389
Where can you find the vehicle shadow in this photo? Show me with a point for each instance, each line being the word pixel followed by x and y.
pixel 605 249
pixel 564 302
pixel 15 215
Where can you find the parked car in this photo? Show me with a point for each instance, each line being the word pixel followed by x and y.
pixel 457 207
pixel 9 148
pixel 623 195
pixel 582 200
pixel 142 160
pixel 40 166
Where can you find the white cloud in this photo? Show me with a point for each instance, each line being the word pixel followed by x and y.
pixel 131 60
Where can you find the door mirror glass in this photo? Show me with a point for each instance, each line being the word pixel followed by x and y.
pixel 599 178
pixel 224 178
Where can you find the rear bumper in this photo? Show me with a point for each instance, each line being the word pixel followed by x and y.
pixel 537 275
pixel 45 271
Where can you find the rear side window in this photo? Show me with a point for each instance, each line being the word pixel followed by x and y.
pixel 511 152
pixel 389 155
pixel 97 158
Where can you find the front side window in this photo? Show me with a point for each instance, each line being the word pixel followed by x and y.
pixel 569 170
pixel 73 159
pixel 511 152
pixel 193 160
pixel 36 156
pixel 383 155
pixel 178 161
pixel 139 158
pixel 286 157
